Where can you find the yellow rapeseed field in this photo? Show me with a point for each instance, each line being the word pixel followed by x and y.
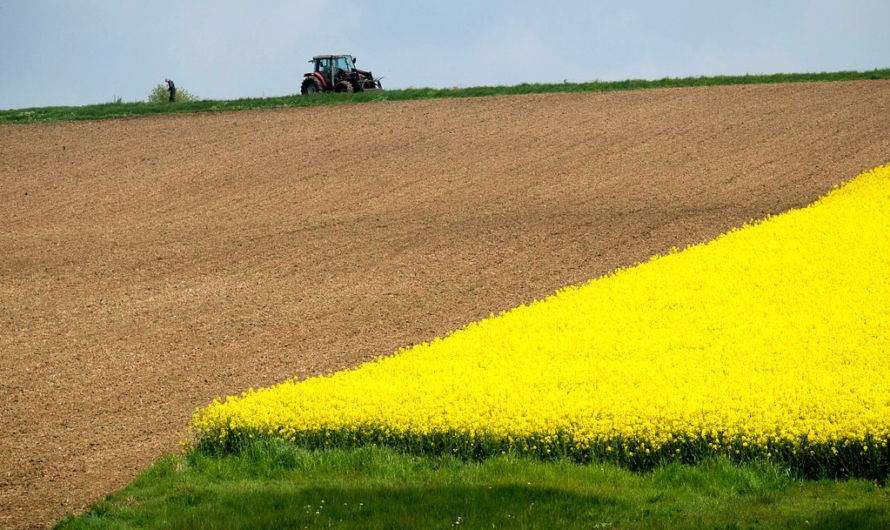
pixel 772 341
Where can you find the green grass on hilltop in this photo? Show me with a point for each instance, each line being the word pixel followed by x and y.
pixel 125 110
pixel 272 484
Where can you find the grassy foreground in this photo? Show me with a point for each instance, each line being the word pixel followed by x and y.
pixel 124 110
pixel 272 484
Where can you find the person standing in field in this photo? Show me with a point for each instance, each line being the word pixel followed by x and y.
pixel 172 89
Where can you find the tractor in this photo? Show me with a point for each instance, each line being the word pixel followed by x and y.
pixel 337 73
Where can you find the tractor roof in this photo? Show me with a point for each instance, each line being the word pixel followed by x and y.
pixel 334 56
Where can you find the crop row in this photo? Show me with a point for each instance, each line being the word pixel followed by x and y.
pixel 771 341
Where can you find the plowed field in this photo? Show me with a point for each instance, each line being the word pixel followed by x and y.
pixel 150 265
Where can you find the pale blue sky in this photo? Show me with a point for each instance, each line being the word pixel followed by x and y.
pixel 77 52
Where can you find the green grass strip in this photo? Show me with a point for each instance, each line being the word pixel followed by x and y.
pixel 126 110
pixel 273 484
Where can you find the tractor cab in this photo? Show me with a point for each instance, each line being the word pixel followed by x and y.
pixel 337 73
pixel 326 65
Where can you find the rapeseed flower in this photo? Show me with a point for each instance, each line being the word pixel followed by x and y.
pixel 771 341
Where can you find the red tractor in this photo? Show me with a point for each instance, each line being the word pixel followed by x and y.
pixel 337 73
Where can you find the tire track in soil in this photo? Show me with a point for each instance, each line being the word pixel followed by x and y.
pixel 150 265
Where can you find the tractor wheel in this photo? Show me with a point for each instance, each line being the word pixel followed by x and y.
pixel 344 86
pixel 311 85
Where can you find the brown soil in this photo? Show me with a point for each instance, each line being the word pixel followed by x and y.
pixel 150 265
